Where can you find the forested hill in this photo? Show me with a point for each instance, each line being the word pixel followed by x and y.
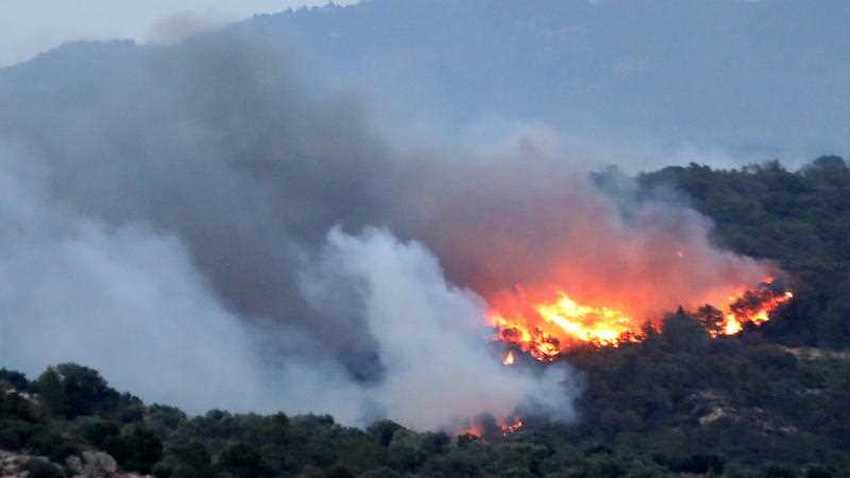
pixel 765 76
pixel 763 403
pixel 799 219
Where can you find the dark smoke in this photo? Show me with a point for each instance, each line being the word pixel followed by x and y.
pixel 208 197
pixel 213 142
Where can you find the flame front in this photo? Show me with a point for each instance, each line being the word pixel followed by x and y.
pixel 512 426
pixel 751 307
pixel 545 325
pixel 544 329
pixel 587 324
pixel 485 429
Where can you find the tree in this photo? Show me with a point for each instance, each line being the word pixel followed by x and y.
pixel 146 450
pixel 827 169
pixel 16 379
pixel 38 468
pixel 98 431
pixel 383 431
pixel 52 392
pixel 681 332
pixel 243 461
pixel 71 390
pixel 190 460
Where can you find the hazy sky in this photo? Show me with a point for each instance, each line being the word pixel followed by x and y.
pixel 29 27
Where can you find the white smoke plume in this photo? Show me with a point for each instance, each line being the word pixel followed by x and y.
pixel 210 230
pixel 439 368
pixel 129 302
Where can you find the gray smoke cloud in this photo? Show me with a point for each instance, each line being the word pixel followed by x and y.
pixel 211 230
pixel 439 369
pixel 129 301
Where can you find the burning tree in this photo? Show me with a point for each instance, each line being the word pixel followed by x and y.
pixel 544 326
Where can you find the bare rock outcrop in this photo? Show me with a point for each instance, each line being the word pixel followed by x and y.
pixel 92 464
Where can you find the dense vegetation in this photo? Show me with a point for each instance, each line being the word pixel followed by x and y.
pixel 799 219
pixel 772 402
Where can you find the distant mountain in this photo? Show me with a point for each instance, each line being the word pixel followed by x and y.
pixel 762 77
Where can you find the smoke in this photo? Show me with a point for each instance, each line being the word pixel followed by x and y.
pixel 129 301
pixel 126 300
pixel 181 25
pixel 439 369
pixel 212 229
pixel 530 215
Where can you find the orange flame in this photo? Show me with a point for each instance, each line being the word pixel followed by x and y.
pixel 511 427
pixel 751 307
pixel 545 325
pixel 504 426
pixel 543 329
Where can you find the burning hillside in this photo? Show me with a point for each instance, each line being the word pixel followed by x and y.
pixel 316 264
pixel 487 427
pixel 545 323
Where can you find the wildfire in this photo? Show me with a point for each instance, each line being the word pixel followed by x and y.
pixel 546 327
pixel 546 323
pixel 751 307
pixel 486 427
pixel 512 426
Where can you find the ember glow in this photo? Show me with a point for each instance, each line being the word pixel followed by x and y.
pixel 544 328
pixel 511 426
pixel 544 325
pixel 486 427
pixel 751 307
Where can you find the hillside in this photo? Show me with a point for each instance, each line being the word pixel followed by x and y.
pixel 676 403
pixel 367 242
pixel 797 219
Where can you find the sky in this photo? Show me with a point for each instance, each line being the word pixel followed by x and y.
pixel 30 27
